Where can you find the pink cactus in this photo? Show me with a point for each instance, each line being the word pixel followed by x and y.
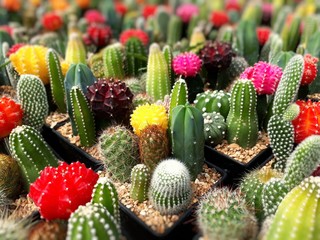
pixel 186 64
pixel 265 77
pixel 186 11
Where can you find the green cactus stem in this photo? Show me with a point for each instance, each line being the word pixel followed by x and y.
pixel 56 80
pixel 134 50
pixel 174 30
pixel 33 99
pixel 140 182
pixel 242 120
pixel 113 61
pixel 31 151
pixel 168 55
pixel 75 51
pixel 290 34
pixel 179 94
pixel 215 128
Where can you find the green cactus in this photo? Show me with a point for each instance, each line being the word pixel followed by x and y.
pixel 119 149
pixel 96 65
pixel 134 50
pixel 174 30
pixel 168 55
pixel 56 80
pixel 177 197
pixel 310 27
pixel 135 85
pixel 105 193
pixel 297 216
pixel 290 34
pixel 215 128
pixel 225 34
pixel 113 61
pixel 280 17
pixel 223 214
pixel 242 120
pixel 187 137
pixel 140 182
pixel 114 19
pixel 33 99
pixel 179 94
pixel 92 221
pixel 162 20
pixel 31 151
pixel 11 229
pixel 158 81
pixel 281 58
pixel 291 112
pixel 75 51
pixel 252 12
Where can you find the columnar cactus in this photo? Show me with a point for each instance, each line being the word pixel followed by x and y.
pixel 75 51
pixel 33 99
pixel 119 149
pixel 215 128
pixel 187 137
pixel 158 81
pixel 105 193
pixel 168 55
pixel 290 33
pixel 92 221
pixel 177 197
pixel 179 94
pixel 223 214
pixel 174 30
pixel 140 182
pixel 242 120
pixel 133 48
pixel 31 151
pixel 113 61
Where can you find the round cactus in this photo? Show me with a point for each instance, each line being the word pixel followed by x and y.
pixel 186 64
pixel 177 197
pixel 215 128
pixel 140 181
pixel 113 61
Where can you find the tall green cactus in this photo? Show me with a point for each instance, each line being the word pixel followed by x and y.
pixel 134 49
pixel 158 81
pixel 290 34
pixel 187 137
pixel 33 99
pixel 56 80
pixel 75 51
pixel 179 95
pixel 140 182
pixel 113 61
pixel 242 120
pixel 174 30
pixel 31 151
pixel 168 55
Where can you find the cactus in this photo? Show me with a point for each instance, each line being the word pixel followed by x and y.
pixel 140 182
pixel 96 65
pixel 162 19
pixel 153 145
pixel 134 49
pixel 92 221
pixel 223 214
pixel 290 33
pixel 113 61
pixel 82 116
pixel 105 193
pixel 197 40
pixel 119 150
pixel 242 120
pixel 158 81
pixel 13 229
pixel 187 137
pixel 56 80
pixel 168 55
pixel 135 85
pixel 215 128
pixel 31 151
pixel 33 99
pixel 174 30
pixel 177 197
pixel 296 217
pixel 75 51
pixel 179 94
pixel 292 112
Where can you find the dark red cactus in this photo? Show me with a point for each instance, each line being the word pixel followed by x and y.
pixel 110 99
pixel 98 35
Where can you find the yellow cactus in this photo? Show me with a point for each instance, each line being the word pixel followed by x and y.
pixel 64 67
pixel 31 60
pixel 146 115
pixel 76 51
pixel 197 40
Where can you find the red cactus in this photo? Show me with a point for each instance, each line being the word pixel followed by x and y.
pixel 310 69
pixel 94 16
pixel 60 191
pixel 120 8
pixel 263 34
pixel 232 5
pixel 149 10
pixel 15 48
pixel 98 35
pixel 219 18
pixel 10 115
pixel 308 121
pixel 137 33
pixel 51 21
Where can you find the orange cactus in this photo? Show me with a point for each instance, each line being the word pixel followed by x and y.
pixel 83 3
pixel 57 5
pixel 11 5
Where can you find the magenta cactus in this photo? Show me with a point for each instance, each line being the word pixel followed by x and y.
pixel 265 77
pixel 187 64
pixel 186 11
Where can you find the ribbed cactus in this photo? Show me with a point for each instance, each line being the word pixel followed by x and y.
pixel 56 80
pixel 105 193
pixel 187 137
pixel 177 197
pixel 119 149
pixel 75 51
pixel 113 61
pixel 197 40
pixel 179 94
pixel 83 117
pixel 140 182
pixel 223 215
pixel 242 120
pixel 290 33
pixel 134 50
pixel 33 99
pixel 168 55
pixel 297 216
pixel 153 145
pixel 31 151
pixel 158 81
pixel 215 128
pixel 96 65
pixel 174 30
pixel 92 221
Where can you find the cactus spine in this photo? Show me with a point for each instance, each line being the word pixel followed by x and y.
pixel 113 61
pixel 187 137
pixel 134 50
pixel 82 117
pixel 56 80
pixel 31 151
pixel 177 197
pixel 92 221
pixel 140 182
pixel 179 94
pixel 158 81
pixel 242 120
pixel 33 99
pixel 75 51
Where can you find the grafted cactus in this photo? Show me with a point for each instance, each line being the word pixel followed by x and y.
pixel 140 182
pixel 113 61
